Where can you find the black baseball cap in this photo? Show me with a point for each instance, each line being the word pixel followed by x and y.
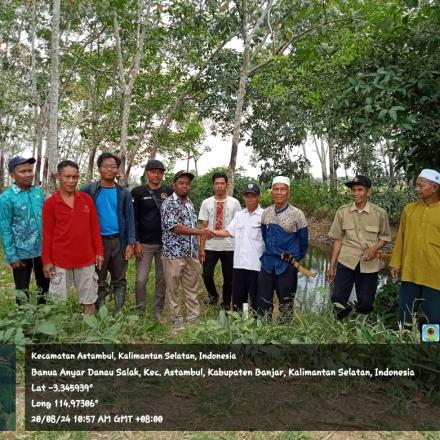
pixel 252 188
pixel 183 173
pixel 359 180
pixel 18 160
pixel 154 164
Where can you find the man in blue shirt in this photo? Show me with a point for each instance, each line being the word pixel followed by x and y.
pixel 284 230
pixel 116 220
pixel 21 226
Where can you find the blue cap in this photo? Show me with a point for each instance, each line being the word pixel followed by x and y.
pixel 18 160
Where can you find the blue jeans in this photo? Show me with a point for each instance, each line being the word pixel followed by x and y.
pixel 411 295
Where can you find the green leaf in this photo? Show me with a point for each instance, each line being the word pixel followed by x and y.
pixel 91 321
pixel 393 114
pixel 46 327
pixel 103 312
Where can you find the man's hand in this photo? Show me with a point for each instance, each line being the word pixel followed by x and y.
pixel 48 270
pixel 17 264
pixel 128 251
pixel 330 274
pixel 394 272
pixel 138 252
pixel 206 233
pixel 202 255
pixel 370 254
pixel 99 261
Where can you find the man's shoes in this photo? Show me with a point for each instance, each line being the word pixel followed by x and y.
pixel 195 321
pixel 178 324
pixel 225 307
pixel 210 301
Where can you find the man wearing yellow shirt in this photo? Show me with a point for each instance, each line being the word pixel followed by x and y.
pixel 416 254
pixel 359 230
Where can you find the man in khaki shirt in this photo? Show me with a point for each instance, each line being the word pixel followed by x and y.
pixel 359 230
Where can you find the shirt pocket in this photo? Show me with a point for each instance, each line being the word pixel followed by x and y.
pixel 239 231
pixel 434 238
pixel 371 232
pixel 348 229
pixel 255 232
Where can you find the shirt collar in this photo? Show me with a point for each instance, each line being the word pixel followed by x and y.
pixel 59 199
pixel 366 208
pixel 177 198
pixel 259 210
pixel 17 189
pixel 279 211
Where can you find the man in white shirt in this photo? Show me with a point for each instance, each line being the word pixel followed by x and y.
pixel 245 228
pixel 216 212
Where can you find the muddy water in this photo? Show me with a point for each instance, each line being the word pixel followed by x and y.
pixel 314 293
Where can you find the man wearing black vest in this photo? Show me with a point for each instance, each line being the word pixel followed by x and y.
pixel 147 200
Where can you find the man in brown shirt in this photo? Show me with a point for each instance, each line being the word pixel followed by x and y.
pixel 359 230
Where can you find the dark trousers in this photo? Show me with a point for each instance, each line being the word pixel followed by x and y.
pixel 211 258
pixel 244 286
pixel 114 262
pixel 284 285
pixel 365 284
pixel 22 277
pixel 411 295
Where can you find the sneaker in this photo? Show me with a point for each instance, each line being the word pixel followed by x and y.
pixel 178 324
pixel 210 301
pixel 195 321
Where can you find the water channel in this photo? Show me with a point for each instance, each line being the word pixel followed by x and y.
pixel 314 293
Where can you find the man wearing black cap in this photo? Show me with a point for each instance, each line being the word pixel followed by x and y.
pixel 249 246
pixel 21 226
pixel 359 230
pixel 180 250
pixel 115 212
pixel 147 201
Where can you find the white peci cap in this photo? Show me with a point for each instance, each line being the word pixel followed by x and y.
pixel 432 175
pixel 281 179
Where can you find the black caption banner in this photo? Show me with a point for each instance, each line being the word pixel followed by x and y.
pixel 233 387
pixel 7 387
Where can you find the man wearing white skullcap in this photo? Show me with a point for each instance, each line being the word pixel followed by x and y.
pixel 416 254
pixel 284 230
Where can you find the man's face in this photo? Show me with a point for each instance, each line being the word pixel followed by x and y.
pixel 154 176
pixel 68 179
pixel 182 186
pixel 359 194
pixel 251 201
pixel 108 169
pixel 425 188
pixel 280 193
pixel 23 175
pixel 220 186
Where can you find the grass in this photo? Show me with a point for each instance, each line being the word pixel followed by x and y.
pixel 63 322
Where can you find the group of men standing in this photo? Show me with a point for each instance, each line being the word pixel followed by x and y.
pixel 81 236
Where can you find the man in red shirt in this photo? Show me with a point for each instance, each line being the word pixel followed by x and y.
pixel 72 244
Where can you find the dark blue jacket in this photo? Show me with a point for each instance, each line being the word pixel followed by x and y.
pixel 125 211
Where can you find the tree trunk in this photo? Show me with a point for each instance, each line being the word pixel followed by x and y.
pixel 332 166
pixel 52 132
pixel 321 151
pixel 94 135
pixel 245 70
pixel 127 85
pixel 2 166
pixel 303 147
pixel 34 92
pixel 244 74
